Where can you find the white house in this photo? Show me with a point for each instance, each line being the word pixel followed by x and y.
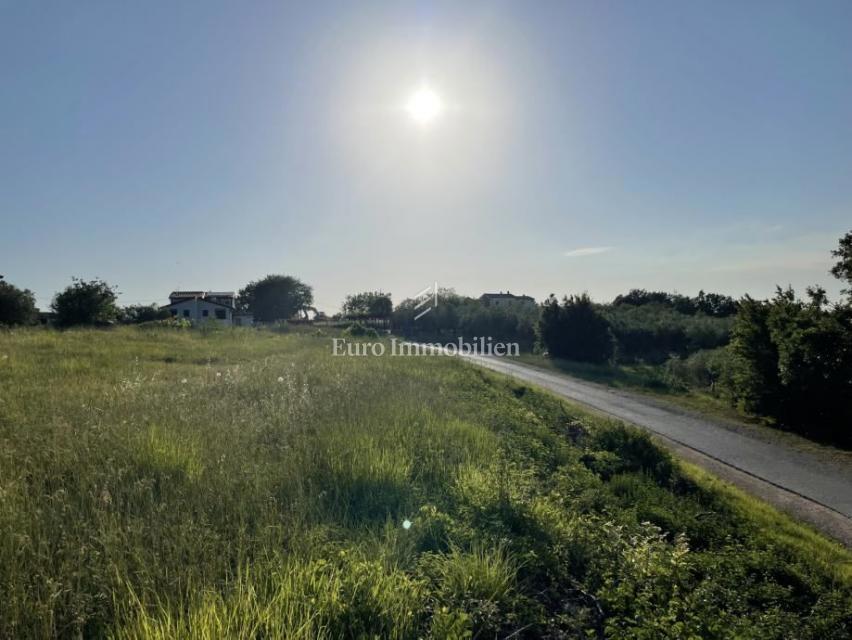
pixel 207 306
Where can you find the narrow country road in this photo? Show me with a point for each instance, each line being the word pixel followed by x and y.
pixel 796 481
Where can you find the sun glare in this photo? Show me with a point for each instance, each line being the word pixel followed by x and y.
pixel 424 106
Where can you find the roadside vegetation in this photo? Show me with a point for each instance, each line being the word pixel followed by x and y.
pixel 160 482
pixel 786 360
pixel 458 316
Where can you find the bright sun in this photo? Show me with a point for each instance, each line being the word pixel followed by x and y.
pixel 424 105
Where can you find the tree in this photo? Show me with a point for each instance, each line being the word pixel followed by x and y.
pixel 276 297
pixel 843 269
pixel 575 330
pixel 792 361
pixel 756 385
pixel 715 304
pixel 711 304
pixel 85 302
pixel 17 306
pixel 369 304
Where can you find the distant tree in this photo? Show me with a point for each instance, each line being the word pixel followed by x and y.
pixel 715 304
pixel 711 304
pixel 638 297
pixel 17 306
pixel 85 302
pixel 575 330
pixel 276 297
pixel 368 304
pixel 136 313
pixel 843 268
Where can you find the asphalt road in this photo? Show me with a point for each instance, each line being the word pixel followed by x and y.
pixel 801 473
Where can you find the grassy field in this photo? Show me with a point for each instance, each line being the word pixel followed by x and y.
pixel 159 483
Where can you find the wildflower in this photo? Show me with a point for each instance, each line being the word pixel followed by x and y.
pixel 280 378
pixel 5 356
pixel 218 374
pixel 183 381
pixel 406 524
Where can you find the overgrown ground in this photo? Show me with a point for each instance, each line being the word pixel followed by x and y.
pixel 164 484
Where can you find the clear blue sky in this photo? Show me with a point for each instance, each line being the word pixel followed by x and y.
pixel 582 146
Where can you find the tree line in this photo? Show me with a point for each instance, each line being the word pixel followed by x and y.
pixel 95 303
pixel 786 358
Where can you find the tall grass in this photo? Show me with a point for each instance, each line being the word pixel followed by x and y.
pixel 161 483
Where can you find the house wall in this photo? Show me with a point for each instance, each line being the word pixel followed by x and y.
pixel 509 302
pixel 193 310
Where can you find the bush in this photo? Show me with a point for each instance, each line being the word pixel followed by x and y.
pixel 358 330
pixel 706 370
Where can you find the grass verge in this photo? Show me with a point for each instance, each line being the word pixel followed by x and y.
pixel 159 483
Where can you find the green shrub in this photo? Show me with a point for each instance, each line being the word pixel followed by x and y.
pixel 705 370
pixel 357 330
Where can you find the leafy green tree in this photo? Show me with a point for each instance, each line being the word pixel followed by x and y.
pixel 756 385
pixel 792 361
pixel 814 344
pixel 715 304
pixel 368 304
pixel 843 269
pixel 575 330
pixel 711 304
pixel 85 302
pixel 17 306
pixel 276 297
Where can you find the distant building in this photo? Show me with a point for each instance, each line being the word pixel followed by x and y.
pixel 223 297
pixel 506 300
pixel 208 306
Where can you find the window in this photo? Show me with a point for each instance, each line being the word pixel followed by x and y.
pixel 221 314
pixel 186 313
pixel 205 312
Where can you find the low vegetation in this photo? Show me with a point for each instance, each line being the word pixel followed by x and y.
pixel 459 316
pixel 158 482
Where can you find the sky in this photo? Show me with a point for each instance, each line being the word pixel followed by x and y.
pixel 581 146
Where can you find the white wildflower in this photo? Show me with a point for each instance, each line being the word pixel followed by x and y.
pixel 406 524
pixel 183 381
pixel 280 378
